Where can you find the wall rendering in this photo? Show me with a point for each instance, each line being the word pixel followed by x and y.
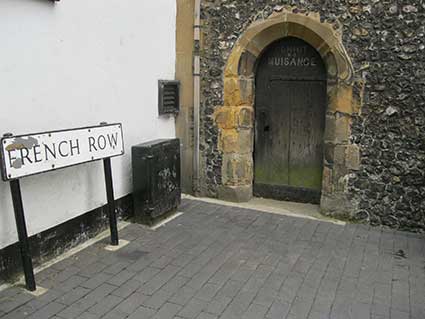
pixel 77 63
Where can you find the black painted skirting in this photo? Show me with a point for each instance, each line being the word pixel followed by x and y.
pixel 288 193
pixel 55 241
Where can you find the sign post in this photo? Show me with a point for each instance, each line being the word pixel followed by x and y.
pixel 31 154
pixel 24 246
pixel 111 201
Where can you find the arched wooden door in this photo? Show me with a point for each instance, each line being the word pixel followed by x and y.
pixel 290 107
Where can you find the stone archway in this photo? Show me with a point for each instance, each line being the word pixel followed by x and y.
pixel 235 119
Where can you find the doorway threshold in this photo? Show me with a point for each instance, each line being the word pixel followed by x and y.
pixel 292 209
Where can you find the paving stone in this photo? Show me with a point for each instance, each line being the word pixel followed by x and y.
pixel 142 312
pixel 239 304
pixel 418 311
pixel 231 263
pixel 225 271
pixel 278 310
pixel 47 311
pixel 395 314
pixel 146 274
pixel 320 315
pixel 141 264
pixel 167 311
pixel 183 296
pixel 10 302
pixel 127 288
pixel 41 301
pixel 199 279
pixel 67 273
pixel 182 260
pixel 105 305
pixel 115 314
pixel 218 304
pixel 74 295
pixel 71 283
pixel 400 302
pixel 96 281
pixel 360 310
pixel 158 299
pixel 21 312
pixel 131 303
pixel 301 307
pixel 121 278
pixel 162 262
pixel 380 309
pixel 193 308
pixel 242 274
pixel 116 267
pixel 86 315
pixel 255 312
pixel 174 284
pixel 191 269
pixel 204 315
pixel 322 304
pixel 80 306
pixel 10 292
pixel 160 279
pixel 93 269
pixel 100 292
pixel 64 263
pixel 231 288
pixel 265 297
pixel 274 281
pixel 207 292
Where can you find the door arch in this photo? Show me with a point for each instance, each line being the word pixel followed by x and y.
pixel 290 109
pixel 235 118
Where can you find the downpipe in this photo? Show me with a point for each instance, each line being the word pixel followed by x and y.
pixel 196 96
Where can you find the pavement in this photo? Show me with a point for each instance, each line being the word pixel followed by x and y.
pixel 229 262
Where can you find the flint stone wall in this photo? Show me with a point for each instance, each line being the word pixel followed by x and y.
pixel 385 40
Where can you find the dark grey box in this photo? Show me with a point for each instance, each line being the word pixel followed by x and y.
pixel 156 179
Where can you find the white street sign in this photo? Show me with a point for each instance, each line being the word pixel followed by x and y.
pixel 41 152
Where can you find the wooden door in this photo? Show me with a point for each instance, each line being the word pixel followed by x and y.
pixel 290 111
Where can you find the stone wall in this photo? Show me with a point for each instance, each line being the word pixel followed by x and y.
pixel 385 40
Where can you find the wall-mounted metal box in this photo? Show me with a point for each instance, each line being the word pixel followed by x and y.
pixel 168 97
pixel 156 179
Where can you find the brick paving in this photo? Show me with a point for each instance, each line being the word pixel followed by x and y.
pixel 226 262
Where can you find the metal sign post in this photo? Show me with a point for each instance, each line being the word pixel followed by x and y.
pixel 21 227
pixel 32 154
pixel 24 246
pixel 111 201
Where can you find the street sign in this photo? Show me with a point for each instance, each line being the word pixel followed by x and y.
pixel 31 154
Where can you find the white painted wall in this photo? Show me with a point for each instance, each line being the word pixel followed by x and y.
pixel 76 63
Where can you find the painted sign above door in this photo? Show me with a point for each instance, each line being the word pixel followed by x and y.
pixel 293 59
pixel 31 154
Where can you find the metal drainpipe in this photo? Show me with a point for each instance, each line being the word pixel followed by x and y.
pixel 196 95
